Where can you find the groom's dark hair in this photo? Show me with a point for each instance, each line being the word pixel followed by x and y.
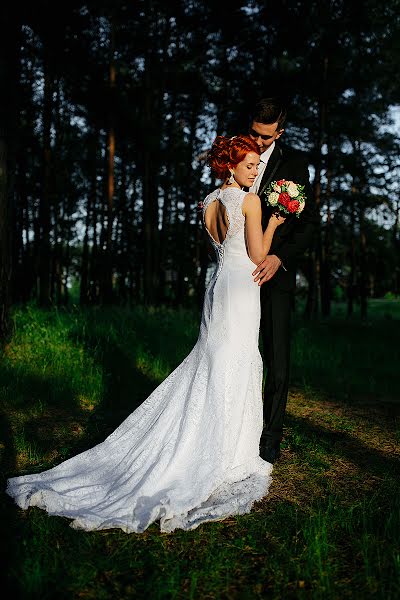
pixel 269 110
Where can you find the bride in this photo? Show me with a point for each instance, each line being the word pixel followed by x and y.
pixel 190 452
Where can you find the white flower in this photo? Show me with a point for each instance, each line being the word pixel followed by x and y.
pixel 302 205
pixel 277 188
pixel 273 198
pixel 292 189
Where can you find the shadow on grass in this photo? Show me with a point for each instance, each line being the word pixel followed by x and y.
pixel 304 437
pixel 353 361
pixel 162 339
pixel 46 413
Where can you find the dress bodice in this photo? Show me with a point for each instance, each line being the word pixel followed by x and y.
pixel 234 242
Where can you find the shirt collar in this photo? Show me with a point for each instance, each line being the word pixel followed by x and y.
pixel 264 157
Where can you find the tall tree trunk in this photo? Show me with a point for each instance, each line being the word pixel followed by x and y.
pixel 326 291
pixel 363 264
pixel 5 236
pixel 315 260
pixel 56 255
pixel 26 266
pixel 84 291
pixel 351 284
pixel 44 207
pixel 396 249
pixel 123 222
pixel 67 253
pixel 96 252
pixel 165 228
pixel 150 195
pixel 9 77
pixel 108 253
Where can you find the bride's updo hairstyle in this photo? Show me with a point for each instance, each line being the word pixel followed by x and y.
pixel 229 152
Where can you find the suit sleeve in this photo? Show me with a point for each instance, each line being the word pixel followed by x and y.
pixel 302 236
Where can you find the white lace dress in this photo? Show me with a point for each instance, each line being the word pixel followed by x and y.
pixel 190 452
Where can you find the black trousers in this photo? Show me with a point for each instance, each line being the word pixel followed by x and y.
pixel 276 308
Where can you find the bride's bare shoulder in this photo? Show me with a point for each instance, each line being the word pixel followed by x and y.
pixel 251 199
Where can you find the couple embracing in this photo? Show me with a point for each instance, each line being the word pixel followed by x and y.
pixel 191 452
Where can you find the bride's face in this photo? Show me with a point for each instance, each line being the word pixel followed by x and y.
pixel 246 171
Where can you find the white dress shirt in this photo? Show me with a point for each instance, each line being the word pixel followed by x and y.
pixel 264 158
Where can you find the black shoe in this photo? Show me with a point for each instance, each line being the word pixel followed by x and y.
pixel 270 453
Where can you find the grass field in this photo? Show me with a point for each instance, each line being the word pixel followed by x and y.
pixel 330 527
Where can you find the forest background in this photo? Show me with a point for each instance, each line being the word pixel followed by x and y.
pixel 108 109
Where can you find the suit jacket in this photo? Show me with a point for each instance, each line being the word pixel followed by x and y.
pixel 291 239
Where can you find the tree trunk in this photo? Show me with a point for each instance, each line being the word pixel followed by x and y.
pixel 150 196
pixel 351 285
pixel 94 261
pixel 44 207
pixel 57 253
pixel 5 237
pixel 26 278
pixel 315 266
pixel 123 222
pixel 84 291
pixel 363 265
pixel 326 291
pixel 396 249
pixel 9 77
pixel 108 253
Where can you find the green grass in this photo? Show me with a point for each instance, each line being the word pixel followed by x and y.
pixel 329 527
pixel 353 359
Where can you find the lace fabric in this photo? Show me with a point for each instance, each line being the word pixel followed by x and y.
pixel 190 453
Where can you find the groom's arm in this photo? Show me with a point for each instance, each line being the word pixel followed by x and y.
pixel 293 248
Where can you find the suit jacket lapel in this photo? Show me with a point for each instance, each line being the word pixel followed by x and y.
pixel 270 170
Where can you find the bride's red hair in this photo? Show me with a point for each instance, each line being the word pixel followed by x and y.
pixel 229 152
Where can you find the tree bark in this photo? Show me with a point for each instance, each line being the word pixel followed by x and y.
pixel 326 291
pixel 315 260
pixel 84 291
pixel 108 284
pixel 44 207
pixel 9 77
pixel 351 285
pixel 150 196
pixel 363 264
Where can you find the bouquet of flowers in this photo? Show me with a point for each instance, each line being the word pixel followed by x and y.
pixel 287 196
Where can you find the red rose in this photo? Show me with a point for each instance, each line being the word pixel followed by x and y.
pixel 284 199
pixel 280 182
pixel 293 206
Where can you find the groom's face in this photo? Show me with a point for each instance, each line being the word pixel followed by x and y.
pixel 264 134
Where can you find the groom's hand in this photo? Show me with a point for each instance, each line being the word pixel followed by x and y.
pixel 266 269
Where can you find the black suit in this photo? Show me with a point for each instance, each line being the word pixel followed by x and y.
pixel 290 241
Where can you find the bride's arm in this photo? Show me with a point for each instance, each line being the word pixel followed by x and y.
pixel 258 243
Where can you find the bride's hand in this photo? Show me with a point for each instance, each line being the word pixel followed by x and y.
pixel 276 219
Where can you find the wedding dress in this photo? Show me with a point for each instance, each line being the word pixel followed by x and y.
pixel 190 452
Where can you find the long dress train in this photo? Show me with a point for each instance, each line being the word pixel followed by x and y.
pixel 190 452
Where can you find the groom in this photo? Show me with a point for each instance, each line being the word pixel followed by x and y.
pixel 277 272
